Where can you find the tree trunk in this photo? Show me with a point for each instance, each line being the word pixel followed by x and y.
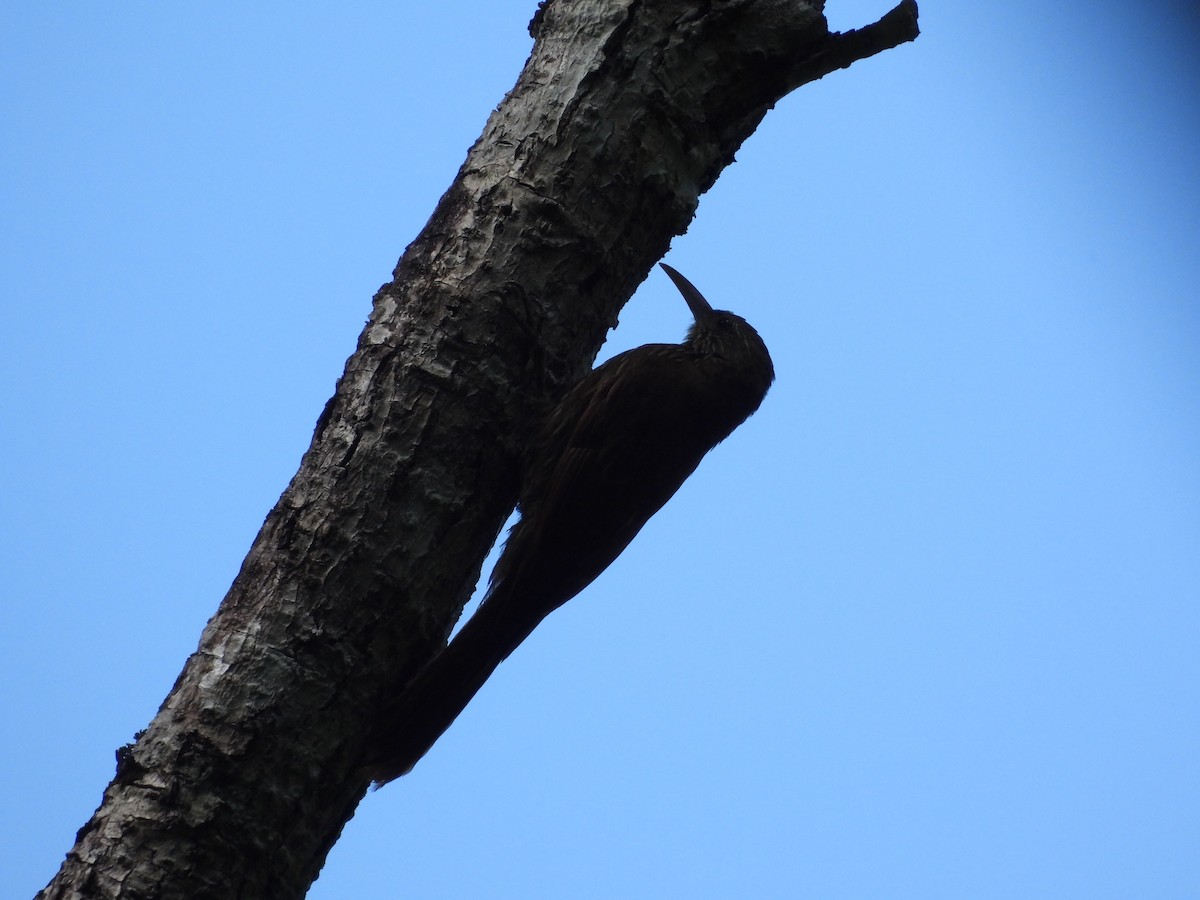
pixel 625 113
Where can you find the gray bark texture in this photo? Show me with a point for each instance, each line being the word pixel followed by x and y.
pixel 625 113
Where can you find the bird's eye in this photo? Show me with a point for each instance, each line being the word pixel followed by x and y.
pixel 724 322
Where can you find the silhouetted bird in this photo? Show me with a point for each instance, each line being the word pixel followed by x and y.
pixel 606 459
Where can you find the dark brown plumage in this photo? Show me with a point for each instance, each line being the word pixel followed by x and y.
pixel 614 450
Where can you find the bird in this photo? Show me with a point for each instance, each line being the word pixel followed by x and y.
pixel 604 460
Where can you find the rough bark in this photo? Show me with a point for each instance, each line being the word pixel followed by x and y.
pixel 625 113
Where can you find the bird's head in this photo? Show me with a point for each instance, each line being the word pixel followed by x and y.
pixel 720 334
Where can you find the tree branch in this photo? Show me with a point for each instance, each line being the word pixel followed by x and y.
pixel 625 113
pixel 842 49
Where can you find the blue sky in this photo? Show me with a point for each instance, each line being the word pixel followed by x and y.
pixel 926 626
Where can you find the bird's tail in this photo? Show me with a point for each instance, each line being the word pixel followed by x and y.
pixel 431 702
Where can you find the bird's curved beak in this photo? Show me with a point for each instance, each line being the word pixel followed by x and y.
pixel 695 300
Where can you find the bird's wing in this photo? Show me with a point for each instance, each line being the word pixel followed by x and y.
pixel 604 461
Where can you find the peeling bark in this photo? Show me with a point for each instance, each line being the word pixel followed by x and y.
pixel 625 113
